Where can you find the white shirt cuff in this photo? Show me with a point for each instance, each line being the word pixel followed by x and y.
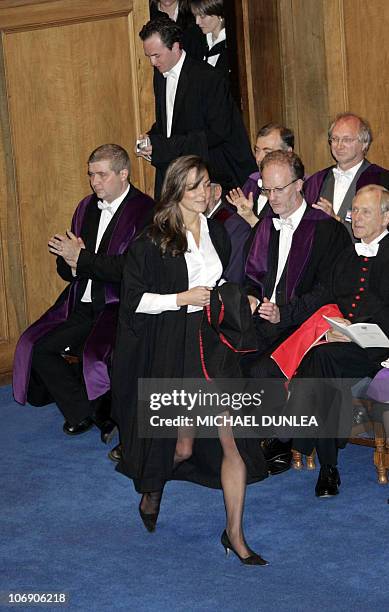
pixel 155 303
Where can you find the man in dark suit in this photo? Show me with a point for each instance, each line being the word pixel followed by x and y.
pixel 194 110
pixel 90 258
pixel 287 268
pixel 361 290
pixel 332 189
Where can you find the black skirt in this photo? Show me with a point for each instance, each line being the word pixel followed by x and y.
pixel 204 466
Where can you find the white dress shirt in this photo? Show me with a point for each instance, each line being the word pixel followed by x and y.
pixel 261 199
pixel 172 77
pixel 105 218
pixel 343 180
pixel 287 229
pixel 204 269
pixel 211 43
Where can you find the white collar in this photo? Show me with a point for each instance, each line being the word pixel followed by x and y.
pixel 214 209
pixel 114 205
pixel 353 170
pixel 221 36
pixel 297 215
pixel 175 12
pixel 176 70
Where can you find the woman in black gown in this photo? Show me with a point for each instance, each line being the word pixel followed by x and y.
pixel 165 286
pixel 209 15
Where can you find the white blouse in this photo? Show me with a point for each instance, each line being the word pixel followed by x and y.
pixel 204 269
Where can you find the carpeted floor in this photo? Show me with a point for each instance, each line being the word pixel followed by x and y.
pixel 69 523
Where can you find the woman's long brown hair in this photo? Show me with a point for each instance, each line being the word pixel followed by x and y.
pixel 167 230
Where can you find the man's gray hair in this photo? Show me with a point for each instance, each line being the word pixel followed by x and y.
pixel 384 193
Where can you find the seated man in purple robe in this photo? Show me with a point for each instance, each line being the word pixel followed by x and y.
pixel 90 258
pixel 287 269
pixel 332 189
pixel 249 201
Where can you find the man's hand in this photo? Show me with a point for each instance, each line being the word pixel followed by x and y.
pixel 145 152
pixel 269 311
pixel 336 336
pixel 243 205
pixel 325 206
pixel 68 247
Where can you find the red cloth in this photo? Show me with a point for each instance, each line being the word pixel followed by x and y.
pixel 290 353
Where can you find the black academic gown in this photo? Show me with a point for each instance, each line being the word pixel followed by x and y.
pixel 152 346
pixel 206 122
pixel 360 288
pixel 311 270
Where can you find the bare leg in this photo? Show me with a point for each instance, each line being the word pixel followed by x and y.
pixel 184 444
pixel 233 477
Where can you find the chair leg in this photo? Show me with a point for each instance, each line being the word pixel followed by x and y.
pixel 297 460
pixel 311 465
pixel 379 453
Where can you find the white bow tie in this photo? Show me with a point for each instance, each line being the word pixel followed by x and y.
pixel 283 223
pixel 103 205
pixel 342 174
pixel 367 250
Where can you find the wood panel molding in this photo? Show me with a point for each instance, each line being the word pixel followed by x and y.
pixel 36 14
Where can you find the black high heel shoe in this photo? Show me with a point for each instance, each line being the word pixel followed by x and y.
pixel 252 559
pixel 150 518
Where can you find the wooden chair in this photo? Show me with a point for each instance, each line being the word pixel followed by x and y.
pixel 378 442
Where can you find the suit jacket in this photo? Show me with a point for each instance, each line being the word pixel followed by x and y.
pixel 322 184
pixel 316 243
pixel 238 231
pixel 105 269
pixel 206 122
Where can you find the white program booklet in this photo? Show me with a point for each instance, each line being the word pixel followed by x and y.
pixel 367 335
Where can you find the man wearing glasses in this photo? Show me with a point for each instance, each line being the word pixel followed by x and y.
pixel 287 269
pixel 333 188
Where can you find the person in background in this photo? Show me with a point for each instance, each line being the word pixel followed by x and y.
pixel 332 189
pixel 237 229
pixel 209 15
pixel 90 258
pixel 180 12
pixel 194 110
pixel 249 201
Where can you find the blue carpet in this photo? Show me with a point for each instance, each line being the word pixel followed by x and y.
pixel 69 523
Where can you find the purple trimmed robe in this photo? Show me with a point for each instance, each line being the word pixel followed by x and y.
pixel 98 346
pixel 373 174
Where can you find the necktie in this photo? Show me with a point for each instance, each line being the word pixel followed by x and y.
pixel 367 250
pixel 283 224
pixel 342 174
pixel 103 205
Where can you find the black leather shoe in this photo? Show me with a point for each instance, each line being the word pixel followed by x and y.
pixel 80 428
pixel 328 481
pixel 278 455
pixel 108 430
pixel 115 454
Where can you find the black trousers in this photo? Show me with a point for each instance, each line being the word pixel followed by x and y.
pixel 62 381
pixel 325 364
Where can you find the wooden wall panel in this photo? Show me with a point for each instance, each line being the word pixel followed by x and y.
pixel 305 78
pixel 261 68
pixel 73 76
pixel 333 56
pixel 366 27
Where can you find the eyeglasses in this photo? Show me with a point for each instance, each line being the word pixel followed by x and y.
pixel 346 140
pixel 266 192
